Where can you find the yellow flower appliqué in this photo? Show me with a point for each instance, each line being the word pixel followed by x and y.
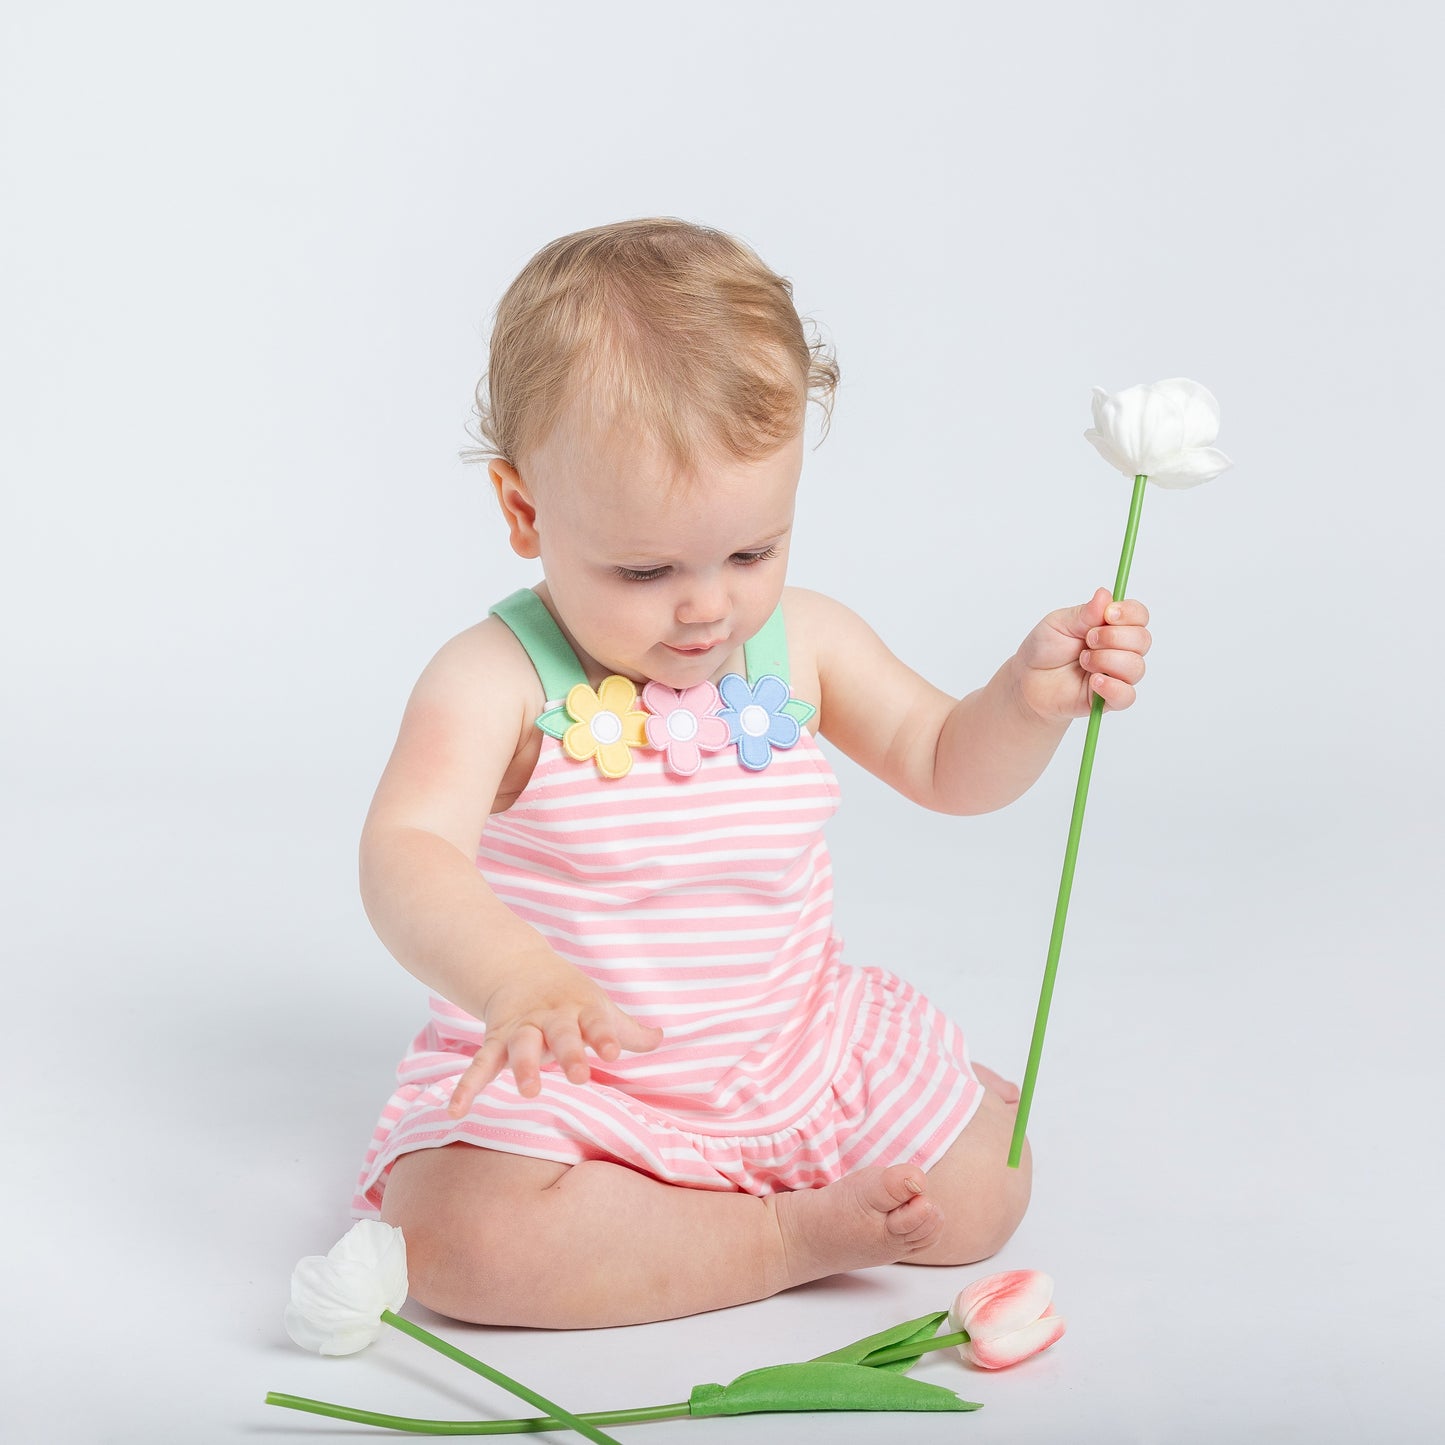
pixel 607 727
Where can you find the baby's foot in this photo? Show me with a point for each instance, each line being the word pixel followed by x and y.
pixel 1004 1088
pixel 873 1216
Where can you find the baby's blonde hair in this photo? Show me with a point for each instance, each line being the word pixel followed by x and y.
pixel 672 329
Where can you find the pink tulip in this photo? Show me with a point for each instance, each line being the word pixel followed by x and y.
pixel 1007 1317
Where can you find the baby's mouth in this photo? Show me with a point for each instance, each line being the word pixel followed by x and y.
pixel 693 649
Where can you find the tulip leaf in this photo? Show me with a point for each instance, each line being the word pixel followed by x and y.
pixel 822 1385
pixel 909 1332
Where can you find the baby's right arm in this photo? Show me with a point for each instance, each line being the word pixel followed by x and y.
pixel 468 721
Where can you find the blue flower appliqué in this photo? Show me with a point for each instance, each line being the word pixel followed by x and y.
pixel 756 719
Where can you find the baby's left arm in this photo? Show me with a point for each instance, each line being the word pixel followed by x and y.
pixel 981 752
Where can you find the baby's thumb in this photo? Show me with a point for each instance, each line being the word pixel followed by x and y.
pixel 1089 614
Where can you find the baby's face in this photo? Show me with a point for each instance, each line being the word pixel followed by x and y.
pixel 656 581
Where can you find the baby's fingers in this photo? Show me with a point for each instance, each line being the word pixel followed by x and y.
pixel 608 1031
pixel 1128 639
pixel 1117 695
pixel 1126 666
pixel 524 1054
pixel 637 1038
pixel 1128 610
pixel 486 1064
pixel 565 1043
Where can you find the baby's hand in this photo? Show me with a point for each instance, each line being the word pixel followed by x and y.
pixel 1076 652
pixel 548 1009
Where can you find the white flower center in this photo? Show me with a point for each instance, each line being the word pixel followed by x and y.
pixel 754 720
pixel 681 725
pixel 606 726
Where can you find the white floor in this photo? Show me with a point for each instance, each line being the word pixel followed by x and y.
pixel 1237 1131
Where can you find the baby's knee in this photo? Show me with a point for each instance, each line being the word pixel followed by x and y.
pixel 1004 1203
pixel 983 1200
pixel 469 1249
pixel 460 1266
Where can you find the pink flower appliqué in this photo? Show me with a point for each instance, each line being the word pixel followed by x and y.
pixel 684 725
pixel 1008 1317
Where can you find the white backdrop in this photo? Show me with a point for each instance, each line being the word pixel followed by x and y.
pixel 247 263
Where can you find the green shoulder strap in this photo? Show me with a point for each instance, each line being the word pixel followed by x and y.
pixel 526 614
pixel 767 650
pixel 766 654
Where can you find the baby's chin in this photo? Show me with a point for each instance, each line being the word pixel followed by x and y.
pixel 663 664
pixel 679 671
pixel 665 670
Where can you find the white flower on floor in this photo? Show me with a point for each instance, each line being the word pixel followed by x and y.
pixel 337 1298
pixel 1165 432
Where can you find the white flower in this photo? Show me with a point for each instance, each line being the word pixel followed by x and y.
pixel 1164 432
pixel 337 1299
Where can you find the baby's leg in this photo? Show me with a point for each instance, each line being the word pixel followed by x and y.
pixel 502 1239
pixel 981 1198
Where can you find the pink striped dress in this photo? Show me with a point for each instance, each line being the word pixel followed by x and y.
pixel 696 889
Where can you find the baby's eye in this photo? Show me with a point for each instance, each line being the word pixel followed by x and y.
pixel 746 559
pixel 631 574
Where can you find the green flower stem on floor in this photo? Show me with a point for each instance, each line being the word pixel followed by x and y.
pixel 540 1402
pixel 1071 853
pixel 530 1426
pixel 864 1375
pixel 836 1385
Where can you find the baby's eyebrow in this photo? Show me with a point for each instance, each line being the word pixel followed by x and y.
pixel 662 559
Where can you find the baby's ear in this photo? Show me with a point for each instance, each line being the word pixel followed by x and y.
pixel 517 507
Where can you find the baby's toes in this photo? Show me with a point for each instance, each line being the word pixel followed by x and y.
pixel 910 1216
pixel 996 1083
pixel 916 1222
pixel 886 1189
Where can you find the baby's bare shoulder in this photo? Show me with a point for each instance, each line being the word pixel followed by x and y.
pixel 853 670
pixel 811 608
pixel 816 623
pixel 464 736
pixel 483 667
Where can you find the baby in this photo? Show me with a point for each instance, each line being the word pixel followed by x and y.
pixel 649 1084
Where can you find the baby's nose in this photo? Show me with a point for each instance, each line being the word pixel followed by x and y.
pixel 703 602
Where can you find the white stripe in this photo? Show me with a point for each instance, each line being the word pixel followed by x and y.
pixel 610 911
pixel 754 855
pixel 675 841
pixel 532 888
pixel 642 991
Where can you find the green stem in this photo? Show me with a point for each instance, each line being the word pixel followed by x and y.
pixel 471 1427
pixel 911 1350
pixel 1071 853
pixel 540 1402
